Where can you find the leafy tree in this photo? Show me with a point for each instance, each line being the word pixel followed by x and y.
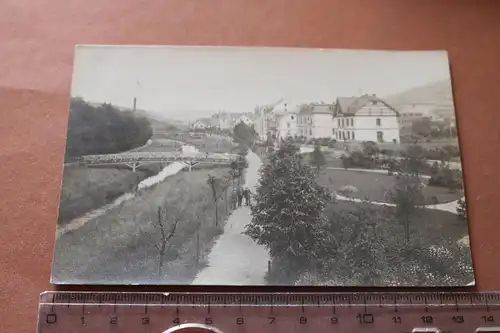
pixel 462 209
pixel 318 158
pixel 409 199
pixel 287 216
pixel 356 242
pixel 103 129
pixel 414 160
pixel 245 134
pixel 238 166
pixel 422 127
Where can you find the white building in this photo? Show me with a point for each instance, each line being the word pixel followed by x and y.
pixel 285 122
pixel 316 121
pixel 365 118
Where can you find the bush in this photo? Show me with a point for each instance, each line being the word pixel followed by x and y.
pixel 446 177
pixel 332 143
pixel 366 249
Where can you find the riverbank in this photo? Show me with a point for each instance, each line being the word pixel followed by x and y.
pixel 119 246
pixel 84 189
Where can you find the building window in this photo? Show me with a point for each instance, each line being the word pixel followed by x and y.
pixel 288 125
pixel 343 123
pixel 310 132
pixel 379 121
pixel 338 123
pixel 352 135
pixel 333 131
pixel 352 121
pixel 348 135
pixel 292 117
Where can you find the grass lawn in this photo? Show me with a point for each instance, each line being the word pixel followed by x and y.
pixel 84 189
pixel 121 242
pixel 208 143
pixel 374 186
pixel 431 226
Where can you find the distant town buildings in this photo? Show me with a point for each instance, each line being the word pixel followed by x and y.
pixel 356 118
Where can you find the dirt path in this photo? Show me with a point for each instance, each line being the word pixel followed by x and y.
pixel 235 258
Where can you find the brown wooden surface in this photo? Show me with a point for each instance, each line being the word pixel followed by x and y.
pixel 36 49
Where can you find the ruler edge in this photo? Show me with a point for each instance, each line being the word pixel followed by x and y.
pixel 437 294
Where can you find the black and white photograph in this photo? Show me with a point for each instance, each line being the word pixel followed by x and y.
pixel 198 165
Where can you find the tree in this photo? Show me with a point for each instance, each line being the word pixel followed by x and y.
pixel 103 129
pixel 245 134
pixel 318 158
pixel 413 161
pixel 462 209
pixel 408 197
pixel 356 247
pixel 422 127
pixel 214 186
pixel 166 228
pixel 237 166
pixel 287 217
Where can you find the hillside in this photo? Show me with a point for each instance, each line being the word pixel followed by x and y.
pixel 434 98
pixel 157 120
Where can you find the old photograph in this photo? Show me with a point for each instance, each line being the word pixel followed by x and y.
pixel 261 166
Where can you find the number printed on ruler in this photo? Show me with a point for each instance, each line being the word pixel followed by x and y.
pixel 276 313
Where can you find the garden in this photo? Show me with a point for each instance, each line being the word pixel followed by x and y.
pixel 316 239
pixel 374 186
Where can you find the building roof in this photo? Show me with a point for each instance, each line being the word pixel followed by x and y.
pixel 351 105
pixel 316 108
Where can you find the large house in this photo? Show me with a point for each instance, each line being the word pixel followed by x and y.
pixel 277 121
pixel 284 121
pixel 315 121
pixel 365 118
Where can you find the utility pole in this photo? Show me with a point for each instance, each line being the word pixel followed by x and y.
pixel 135 104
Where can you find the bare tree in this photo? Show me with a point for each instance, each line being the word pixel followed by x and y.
pixel 213 182
pixel 166 227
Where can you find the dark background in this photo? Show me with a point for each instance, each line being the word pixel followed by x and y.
pixel 36 52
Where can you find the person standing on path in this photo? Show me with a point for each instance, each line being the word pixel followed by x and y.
pixel 246 194
pixel 234 199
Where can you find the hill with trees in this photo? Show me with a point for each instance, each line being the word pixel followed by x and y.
pixel 103 129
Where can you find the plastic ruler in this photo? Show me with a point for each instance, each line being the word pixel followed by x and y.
pixel 405 312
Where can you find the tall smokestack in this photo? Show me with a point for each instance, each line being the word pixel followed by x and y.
pixel 135 103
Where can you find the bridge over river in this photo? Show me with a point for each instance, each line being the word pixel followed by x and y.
pixel 136 159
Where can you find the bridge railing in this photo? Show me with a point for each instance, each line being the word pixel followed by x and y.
pixel 146 157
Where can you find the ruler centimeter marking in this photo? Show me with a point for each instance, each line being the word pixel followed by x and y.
pixel 432 312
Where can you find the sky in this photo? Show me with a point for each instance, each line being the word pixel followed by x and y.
pixel 187 83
